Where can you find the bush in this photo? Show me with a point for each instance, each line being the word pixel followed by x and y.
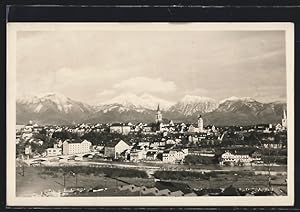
pixel 273 178
pixel 195 159
pixel 86 170
pixel 275 159
pixel 180 175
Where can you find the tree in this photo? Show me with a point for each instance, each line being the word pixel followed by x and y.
pixel 64 135
pixel 195 159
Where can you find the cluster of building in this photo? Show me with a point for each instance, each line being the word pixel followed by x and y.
pixel 166 144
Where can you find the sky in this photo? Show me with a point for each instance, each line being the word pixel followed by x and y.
pixel 95 66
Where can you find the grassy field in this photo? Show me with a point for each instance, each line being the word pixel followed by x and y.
pixel 34 181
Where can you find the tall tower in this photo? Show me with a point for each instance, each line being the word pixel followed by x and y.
pixel 284 120
pixel 200 123
pixel 158 117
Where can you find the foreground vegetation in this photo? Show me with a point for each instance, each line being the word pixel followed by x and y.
pixel 184 175
pixel 110 172
pixel 38 179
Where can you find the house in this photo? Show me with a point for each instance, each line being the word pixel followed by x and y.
pixel 147 128
pixel 19 127
pixel 144 143
pixel 256 156
pixel 170 141
pixel 151 155
pixel 60 143
pixel 76 147
pixel 278 127
pixel 235 159
pixel 37 129
pixel 26 135
pixel 273 145
pixel 55 151
pixel 120 128
pixel 18 138
pixel 137 153
pixel 28 128
pixel 192 129
pixel 98 147
pixel 28 150
pixel 115 148
pixel 173 156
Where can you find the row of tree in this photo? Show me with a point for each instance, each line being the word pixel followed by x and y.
pixel 86 170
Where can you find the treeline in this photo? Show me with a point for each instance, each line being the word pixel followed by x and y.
pixel 35 146
pixel 63 135
pixel 181 175
pixel 100 138
pixel 195 159
pixel 274 152
pixel 186 175
pixel 275 159
pixel 86 170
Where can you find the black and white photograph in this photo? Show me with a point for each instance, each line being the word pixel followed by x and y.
pixel 159 113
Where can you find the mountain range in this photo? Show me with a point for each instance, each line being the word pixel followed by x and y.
pixel 53 108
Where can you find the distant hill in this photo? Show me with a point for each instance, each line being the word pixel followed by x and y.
pixel 52 108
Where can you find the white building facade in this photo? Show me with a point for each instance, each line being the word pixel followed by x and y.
pixel 173 156
pixel 235 159
pixel 70 148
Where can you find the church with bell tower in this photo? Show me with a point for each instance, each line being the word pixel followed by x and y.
pixel 158 117
pixel 284 120
pixel 200 123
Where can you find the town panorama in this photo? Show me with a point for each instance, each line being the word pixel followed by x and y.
pixel 161 158
pixel 182 111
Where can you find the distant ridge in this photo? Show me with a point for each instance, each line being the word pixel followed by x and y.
pixel 53 108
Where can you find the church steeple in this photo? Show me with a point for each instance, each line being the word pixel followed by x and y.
pixel 200 123
pixel 158 117
pixel 284 119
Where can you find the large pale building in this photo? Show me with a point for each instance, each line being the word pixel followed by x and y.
pixel 234 159
pixel 173 156
pixel 76 147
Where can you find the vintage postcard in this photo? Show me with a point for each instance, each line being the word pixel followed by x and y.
pixel 150 114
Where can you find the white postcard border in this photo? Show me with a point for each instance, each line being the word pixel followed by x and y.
pixel 12 200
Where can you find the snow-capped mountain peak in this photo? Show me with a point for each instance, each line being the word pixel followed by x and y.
pixel 189 105
pixel 53 108
pixel 143 101
pixel 63 103
pixel 45 101
pixel 191 99
pixel 27 99
pixel 234 98
pixel 56 97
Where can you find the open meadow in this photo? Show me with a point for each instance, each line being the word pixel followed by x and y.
pixel 39 179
